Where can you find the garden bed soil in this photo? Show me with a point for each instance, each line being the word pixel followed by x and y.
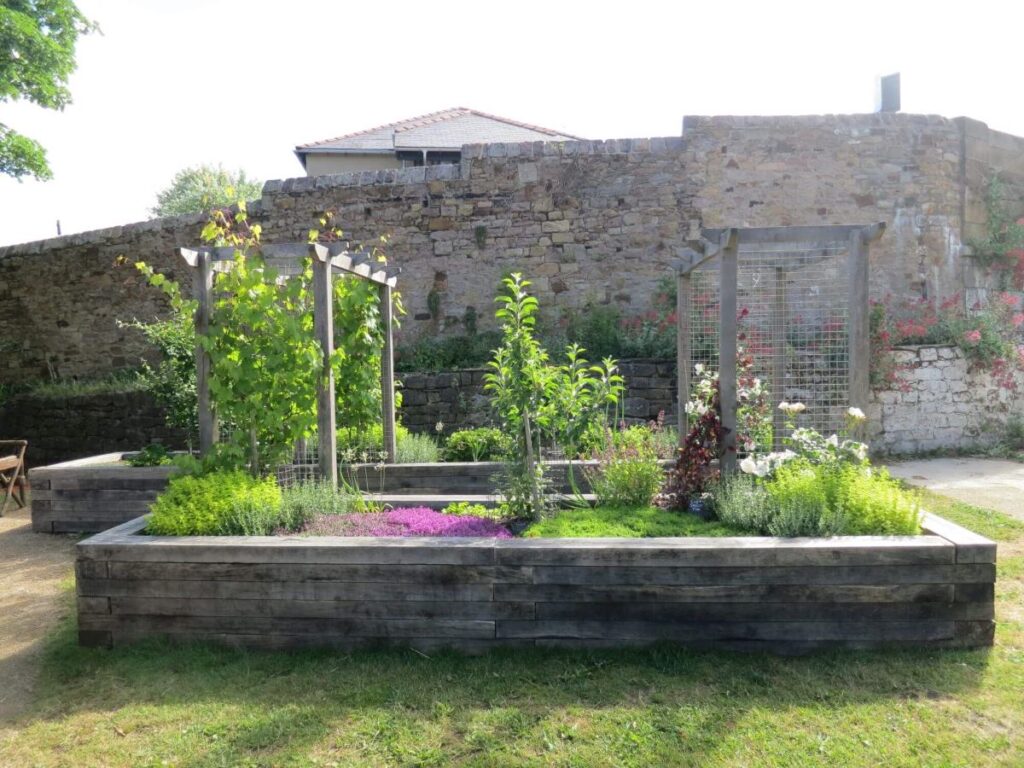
pixel 782 595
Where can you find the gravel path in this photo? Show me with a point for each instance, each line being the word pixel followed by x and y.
pixel 990 483
pixel 32 566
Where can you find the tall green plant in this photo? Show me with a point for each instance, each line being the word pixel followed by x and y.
pixel 172 381
pixel 517 380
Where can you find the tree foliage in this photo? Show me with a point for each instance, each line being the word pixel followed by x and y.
pixel 37 40
pixel 203 187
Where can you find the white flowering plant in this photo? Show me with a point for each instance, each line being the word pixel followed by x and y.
pixel 809 444
pixel 753 409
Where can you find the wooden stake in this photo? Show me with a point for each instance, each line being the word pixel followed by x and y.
pixel 684 288
pixel 859 323
pixel 387 375
pixel 323 322
pixel 728 279
pixel 202 287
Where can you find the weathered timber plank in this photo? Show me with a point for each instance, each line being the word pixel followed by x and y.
pixel 631 611
pixel 975 593
pixel 880 631
pixel 773 593
pixel 254 590
pixel 725 576
pixel 103 495
pixel 91 569
pixel 88 638
pixel 738 551
pixel 394 609
pixel 286 642
pixel 292 572
pixel 340 627
pixel 970 547
pixel 93 605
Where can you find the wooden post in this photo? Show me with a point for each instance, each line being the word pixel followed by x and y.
pixel 202 288
pixel 728 279
pixel 323 322
pixel 859 323
pixel 387 375
pixel 778 383
pixel 683 352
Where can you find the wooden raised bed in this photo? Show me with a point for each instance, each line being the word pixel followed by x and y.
pixel 780 595
pixel 93 494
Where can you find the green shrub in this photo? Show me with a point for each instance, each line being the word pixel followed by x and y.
pixel 872 502
pixel 218 503
pixel 740 500
pixel 359 444
pixel 471 350
pixel 481 444
pixel 805 499
pixel 463 508
pixel 303 501
pixel 659 440
pixel 628 477
pixel 153 455
pixel 416 449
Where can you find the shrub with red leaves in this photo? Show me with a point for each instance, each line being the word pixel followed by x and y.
pixel 693 473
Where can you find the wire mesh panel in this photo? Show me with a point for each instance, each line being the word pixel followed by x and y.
pixel 792 337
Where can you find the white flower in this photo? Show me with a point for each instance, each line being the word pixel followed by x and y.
pixel 749 466
pixel 439 427
pixel 833 440
pixel 698 368
pixel 792 408
pixel 855 414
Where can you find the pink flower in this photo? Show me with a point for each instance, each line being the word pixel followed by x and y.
pixel 1018 319
pixel 972 337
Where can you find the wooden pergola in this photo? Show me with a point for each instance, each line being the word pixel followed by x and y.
pixel 287 259
pixel 791 248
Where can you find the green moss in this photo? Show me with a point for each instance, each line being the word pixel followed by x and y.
pixel 635 523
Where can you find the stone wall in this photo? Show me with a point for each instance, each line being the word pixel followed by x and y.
pixel 586 221
pixel 61 429
pixel 457 400
pixel 941 405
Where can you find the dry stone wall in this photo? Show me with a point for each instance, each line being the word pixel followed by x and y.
pixel 588 222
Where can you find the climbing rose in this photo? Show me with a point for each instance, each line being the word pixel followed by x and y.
pixel 972 337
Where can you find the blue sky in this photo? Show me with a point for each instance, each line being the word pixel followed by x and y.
pixel 180 82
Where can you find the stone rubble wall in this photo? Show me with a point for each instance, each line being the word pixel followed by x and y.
pixel 941 405
pixel 587 222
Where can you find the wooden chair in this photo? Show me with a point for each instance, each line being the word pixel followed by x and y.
pixel 12 473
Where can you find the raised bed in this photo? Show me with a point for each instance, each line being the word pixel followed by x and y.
pixel 92 494
pixel 780 595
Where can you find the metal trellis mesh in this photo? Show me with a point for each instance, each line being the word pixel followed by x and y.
pixel 792 338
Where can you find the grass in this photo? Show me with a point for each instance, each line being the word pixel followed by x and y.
pixel 204 706
pixel 632 523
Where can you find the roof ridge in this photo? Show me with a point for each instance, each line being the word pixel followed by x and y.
pixel 436 117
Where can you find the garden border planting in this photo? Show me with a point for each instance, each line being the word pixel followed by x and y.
pixel 751 593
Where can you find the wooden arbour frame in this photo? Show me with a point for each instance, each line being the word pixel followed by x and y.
pixel 288 259
pixel 794 248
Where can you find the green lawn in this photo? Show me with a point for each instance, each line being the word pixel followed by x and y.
pixel 157 705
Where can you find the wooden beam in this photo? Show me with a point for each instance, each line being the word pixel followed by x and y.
pixel 728 280
pixel 202 287
pixel 387 375
pixel 858 320
pixel 684 290
pixel 323 322
pixel 818 235
pixel 363 264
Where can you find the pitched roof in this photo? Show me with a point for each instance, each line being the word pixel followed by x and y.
pixel 448 129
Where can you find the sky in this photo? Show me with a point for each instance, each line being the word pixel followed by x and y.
pixel 174 83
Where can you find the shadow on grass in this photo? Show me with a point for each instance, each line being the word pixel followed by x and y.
pixel 264 706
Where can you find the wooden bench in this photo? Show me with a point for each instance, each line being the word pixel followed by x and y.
pixel 12 473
